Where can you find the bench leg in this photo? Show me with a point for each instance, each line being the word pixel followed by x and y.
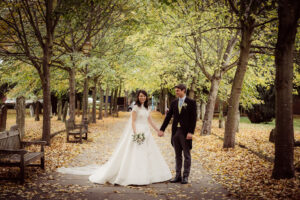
pixel 43 162
pixel 68 140
pixel 80 139
pixel 22 169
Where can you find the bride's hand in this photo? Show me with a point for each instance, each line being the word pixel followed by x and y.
pixel 160 133
pixel 157 131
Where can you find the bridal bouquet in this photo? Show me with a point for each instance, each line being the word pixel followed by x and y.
pixel 138 138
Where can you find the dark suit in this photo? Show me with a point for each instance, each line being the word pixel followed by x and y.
pixel 187 119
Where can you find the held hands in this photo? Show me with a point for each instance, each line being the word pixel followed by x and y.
pixel 189 136
pixel 160 133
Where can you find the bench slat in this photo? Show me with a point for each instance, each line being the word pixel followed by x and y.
pixel 3 135
pixel 10 140
pixel 15 158
pixel 14 142
pixel 7 134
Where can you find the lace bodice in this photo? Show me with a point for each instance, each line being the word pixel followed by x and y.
pixel 142 115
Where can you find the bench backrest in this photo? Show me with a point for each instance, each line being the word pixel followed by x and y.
pixel 69 125
pixel 10 139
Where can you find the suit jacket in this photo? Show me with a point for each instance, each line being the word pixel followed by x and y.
pixel 186 118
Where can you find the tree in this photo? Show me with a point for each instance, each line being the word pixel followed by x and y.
pixel 27 32
pixel 247 12
pixel 207 34
pixel 84 22
pixel 289 14
pixel 98 68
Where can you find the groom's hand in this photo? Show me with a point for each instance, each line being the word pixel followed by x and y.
pixel 189 136
pixel 160 133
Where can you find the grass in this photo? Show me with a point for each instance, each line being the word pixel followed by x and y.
pixel 272 124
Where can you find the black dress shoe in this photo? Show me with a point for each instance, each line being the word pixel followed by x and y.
pixel 176 179
pixel 185 180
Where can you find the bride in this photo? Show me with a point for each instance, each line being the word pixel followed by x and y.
pixel 131 163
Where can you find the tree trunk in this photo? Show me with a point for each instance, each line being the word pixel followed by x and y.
pixel 119 95
pixel 65 110
pixel 198 111
pixel 126 101
pixel 21 112
pixel 192 93
pixel 72 93
pixel 85 98
pixel 162 102
pixel 46 99
pixel 210 106
pixel 193 85
pixel 238 117
pixel 100 116
pixel 120 90
pixel 94 100
pixel 89 114
pixel 47 54
pixel 115 107
pixel 53 105
pixel 112 100
pixel 106 101
pixel 203 107
pixel 37 110
pixel 234 100
pixel 221 115
pixel 3 117
pixel 288 13
pixel 78 108
pixel 59 109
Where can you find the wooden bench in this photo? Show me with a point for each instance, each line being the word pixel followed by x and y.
pixel 79 131
pixel 13 154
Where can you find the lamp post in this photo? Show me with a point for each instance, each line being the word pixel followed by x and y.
pixel 87 47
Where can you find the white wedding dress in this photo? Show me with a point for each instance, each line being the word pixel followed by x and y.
pixel 130 163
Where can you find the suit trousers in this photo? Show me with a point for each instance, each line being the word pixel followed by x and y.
pixel 180 144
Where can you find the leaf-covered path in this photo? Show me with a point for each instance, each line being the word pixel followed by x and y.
pixel 103 136
pixel 201 184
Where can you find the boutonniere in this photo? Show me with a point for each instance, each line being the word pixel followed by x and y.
pixel 184 105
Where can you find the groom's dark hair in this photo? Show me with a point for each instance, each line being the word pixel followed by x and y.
pixel 181 87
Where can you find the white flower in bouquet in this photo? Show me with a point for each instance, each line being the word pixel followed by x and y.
pixel 138 138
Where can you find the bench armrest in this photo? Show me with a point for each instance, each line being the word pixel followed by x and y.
pixel 28 143
pixel 13 151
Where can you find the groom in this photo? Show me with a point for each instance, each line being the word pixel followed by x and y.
pixel 183 111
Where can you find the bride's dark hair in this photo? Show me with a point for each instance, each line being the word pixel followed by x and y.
pixel 138 103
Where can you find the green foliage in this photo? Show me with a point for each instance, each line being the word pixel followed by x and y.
pixel 24 79
pixel 150 45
